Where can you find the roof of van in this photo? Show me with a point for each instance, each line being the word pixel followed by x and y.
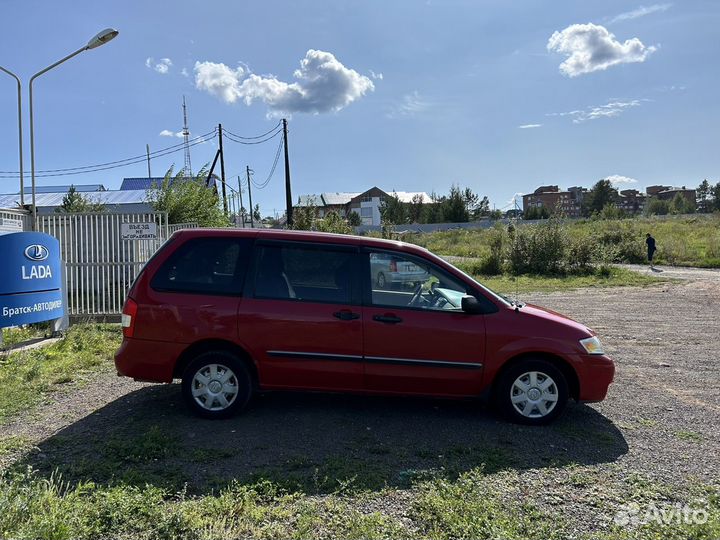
pixel 304 236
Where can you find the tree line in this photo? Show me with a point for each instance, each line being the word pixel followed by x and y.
pixel 601 201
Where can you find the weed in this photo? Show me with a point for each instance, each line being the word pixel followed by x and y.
pixel 690 436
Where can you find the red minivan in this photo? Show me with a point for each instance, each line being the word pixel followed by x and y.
pixel 233 312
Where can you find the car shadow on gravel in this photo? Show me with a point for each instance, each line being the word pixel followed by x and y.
pixel 312 442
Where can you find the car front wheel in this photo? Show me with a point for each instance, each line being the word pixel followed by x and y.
pixel 532 392
pixel 216 385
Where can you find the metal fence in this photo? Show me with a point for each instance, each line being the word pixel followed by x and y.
pixel 180 226
pixel 103 254
pixel 12 220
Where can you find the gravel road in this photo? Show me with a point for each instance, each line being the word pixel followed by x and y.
pixel 659 422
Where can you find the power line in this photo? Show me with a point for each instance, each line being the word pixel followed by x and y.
pixel 272 170
pixel 266 139
pixel 256 136
pixel 101 166
pixel 117 165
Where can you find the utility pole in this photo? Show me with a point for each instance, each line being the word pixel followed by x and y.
pixel 222 169
pixel 147 150
pixel 252 217
pixel 242 214
pixel 288 193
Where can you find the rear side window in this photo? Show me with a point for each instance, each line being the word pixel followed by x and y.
pixel 312 275
pixel 205 265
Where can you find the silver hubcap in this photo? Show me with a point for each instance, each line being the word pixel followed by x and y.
pixel 214 387
pixel 534 394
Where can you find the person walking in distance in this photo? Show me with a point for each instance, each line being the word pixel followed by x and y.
pixel 650 241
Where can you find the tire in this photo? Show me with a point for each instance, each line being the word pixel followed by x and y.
pixel 533 392
pixel 381 283
pixel 216 384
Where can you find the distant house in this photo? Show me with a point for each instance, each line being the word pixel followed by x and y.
pixel 366 204
pixel 631 201
pixel 569 202
pixel 669 193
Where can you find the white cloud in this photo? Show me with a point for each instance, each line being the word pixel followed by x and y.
pixel 219 80
pixel 184 72
pixel 529 126
pixel 609 110
pixel 591 47
pixel 376 76
pixel 410 105
pixel 640 12
pixel 162 66
pixel 616 179
pixel 323 84
pixel 169 133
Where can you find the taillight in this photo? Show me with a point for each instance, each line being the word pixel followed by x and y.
pixel 393 266
pixel 127 319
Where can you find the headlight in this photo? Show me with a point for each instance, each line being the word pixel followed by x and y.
pixel 592 345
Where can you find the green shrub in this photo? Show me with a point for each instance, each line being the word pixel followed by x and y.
pixel 539 249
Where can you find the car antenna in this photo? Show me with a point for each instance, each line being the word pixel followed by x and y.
pixel 515 231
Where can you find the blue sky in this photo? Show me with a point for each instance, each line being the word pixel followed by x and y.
pixel 405 95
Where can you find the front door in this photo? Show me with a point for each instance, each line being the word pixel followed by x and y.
pixel 301 316
pixel 416 337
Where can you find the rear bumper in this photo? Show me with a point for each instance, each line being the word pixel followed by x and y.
pixel 147 360
pixel 595 373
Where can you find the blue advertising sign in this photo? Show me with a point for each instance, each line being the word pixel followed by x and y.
pixel 30 279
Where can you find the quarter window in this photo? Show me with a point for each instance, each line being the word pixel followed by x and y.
pixel 205 265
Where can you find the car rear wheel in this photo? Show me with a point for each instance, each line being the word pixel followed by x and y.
pixel 216 384
pixel 532 392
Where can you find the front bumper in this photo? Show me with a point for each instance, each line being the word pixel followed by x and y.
pixel 595 373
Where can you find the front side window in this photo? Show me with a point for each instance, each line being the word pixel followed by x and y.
pixel 312 275
pixel 205 265
pixel 400 281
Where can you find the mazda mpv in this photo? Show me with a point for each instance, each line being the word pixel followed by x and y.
pixel 235 312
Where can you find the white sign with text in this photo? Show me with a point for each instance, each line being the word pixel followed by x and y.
pixel 138 231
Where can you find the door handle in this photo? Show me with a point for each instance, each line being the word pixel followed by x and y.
pixel 388 319
pixel 346 315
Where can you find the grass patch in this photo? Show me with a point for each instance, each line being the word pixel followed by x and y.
pixel 18 334
pixel 617 277
pixel 473 505
pixel 690 436
pixel 12 444
pixel 682 241
pixel 26 377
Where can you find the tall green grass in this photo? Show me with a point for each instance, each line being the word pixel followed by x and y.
pixel 683 241
pixel 26 377
pixel 474 505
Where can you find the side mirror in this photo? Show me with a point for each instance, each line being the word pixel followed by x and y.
pixel 471 305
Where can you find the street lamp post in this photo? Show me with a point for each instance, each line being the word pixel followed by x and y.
pixel 100 38
pixel 20 134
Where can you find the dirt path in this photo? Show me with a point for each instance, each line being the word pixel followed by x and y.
pixel 711 275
